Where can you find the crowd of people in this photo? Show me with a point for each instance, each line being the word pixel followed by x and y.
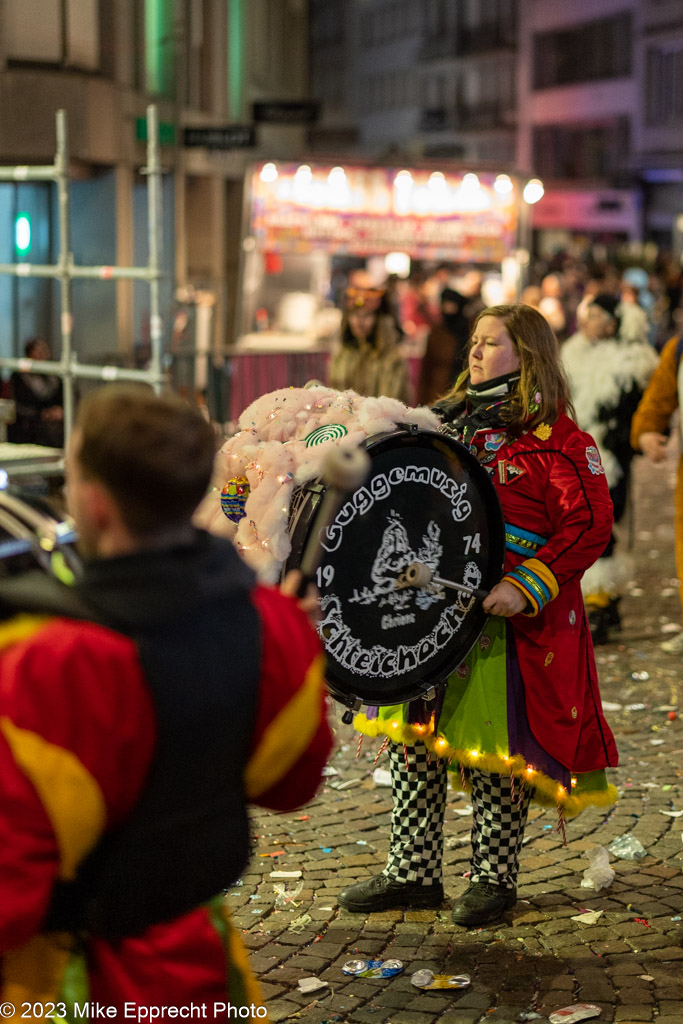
pixel 611 327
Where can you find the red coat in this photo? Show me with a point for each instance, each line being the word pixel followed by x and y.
pixel 562 498
pixel 77 735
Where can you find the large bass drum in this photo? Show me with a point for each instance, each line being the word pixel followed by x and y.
pixel 427 500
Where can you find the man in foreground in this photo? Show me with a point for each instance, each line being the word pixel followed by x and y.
pixel 160 694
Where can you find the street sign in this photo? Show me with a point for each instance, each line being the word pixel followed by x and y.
pixel 167 133
pixel 287 112
pixel 231 136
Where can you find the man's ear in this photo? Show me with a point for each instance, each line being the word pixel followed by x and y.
pixel 102 509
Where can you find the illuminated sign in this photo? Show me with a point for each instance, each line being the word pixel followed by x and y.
pixel 377 210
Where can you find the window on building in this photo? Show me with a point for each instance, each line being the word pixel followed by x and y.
pixel 488 26
pixel 596 150
pixel 584 53
pixel 62 32
pixel 664 85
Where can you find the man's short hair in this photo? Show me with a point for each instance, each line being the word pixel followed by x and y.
pixel 153 453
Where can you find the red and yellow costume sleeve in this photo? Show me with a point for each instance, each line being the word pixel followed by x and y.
pixel 292 738
pixel 579 512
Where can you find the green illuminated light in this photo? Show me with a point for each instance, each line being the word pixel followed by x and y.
pixel 160 43
pixel 153 19
pixel 235 58
pixel 22 234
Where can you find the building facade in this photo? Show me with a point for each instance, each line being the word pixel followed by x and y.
pixel 434 79
pixel 206 64
pixel 659 143
pixel 587 95
pixel 579 94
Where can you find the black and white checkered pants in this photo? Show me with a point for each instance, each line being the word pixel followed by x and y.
pixel 419 792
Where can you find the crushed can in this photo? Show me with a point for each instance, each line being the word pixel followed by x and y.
pixel 373 968
pixel 570 1014
pixel 426 979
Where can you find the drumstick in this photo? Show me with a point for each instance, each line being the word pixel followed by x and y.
pixel 343 470
pixel 419 575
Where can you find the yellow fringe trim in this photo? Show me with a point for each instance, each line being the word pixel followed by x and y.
pixel 547 792
pixel 398 732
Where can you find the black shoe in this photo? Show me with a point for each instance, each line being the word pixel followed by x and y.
pixel 482 902
pixel 384 893
pixel 599 624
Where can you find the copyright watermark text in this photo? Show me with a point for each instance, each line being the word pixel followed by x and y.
pixel 133 1011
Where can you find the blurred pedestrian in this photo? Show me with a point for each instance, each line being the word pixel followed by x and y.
pixel 417 310
pixel 164 690
pixel 367 358
pixel 38 400
pixel 531 296
pixel 551 304
pixel 649 435
pixel 609 363
pixel 442 362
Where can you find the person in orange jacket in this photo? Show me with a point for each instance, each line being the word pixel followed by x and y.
pixel 649 434
pixel 141 710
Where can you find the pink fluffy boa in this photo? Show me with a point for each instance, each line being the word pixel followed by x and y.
pixel 270 451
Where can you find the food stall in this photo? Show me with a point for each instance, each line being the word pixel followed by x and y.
pixel 307 226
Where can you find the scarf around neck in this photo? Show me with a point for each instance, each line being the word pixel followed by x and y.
pixel 485 406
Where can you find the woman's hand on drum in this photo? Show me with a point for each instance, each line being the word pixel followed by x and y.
pixel 309 602
pixel 505 599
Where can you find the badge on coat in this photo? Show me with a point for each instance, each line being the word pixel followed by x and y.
pixel 492 442
pixel 508 472
pixel 594 464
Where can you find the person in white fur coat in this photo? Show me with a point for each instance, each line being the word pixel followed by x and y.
pixel 609 362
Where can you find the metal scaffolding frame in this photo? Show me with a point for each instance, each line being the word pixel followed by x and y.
pixel 69 368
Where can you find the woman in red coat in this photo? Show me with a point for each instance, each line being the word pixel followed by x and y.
pixel 521 718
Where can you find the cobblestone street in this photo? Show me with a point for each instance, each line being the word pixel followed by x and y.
pixel 628 960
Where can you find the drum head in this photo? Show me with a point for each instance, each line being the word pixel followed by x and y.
pixel 426 500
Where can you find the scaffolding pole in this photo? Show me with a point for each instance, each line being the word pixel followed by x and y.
pixel 68 367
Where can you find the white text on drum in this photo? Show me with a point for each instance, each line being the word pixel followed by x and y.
pixel 362 500
pixel 378 660
pixel 391 621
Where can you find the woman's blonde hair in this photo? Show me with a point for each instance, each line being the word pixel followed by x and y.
pixel 542 394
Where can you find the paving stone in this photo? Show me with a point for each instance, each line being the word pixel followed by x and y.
pixel 280 1009
pixel 460 1016
pixel 636 996
pixel 634 1013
